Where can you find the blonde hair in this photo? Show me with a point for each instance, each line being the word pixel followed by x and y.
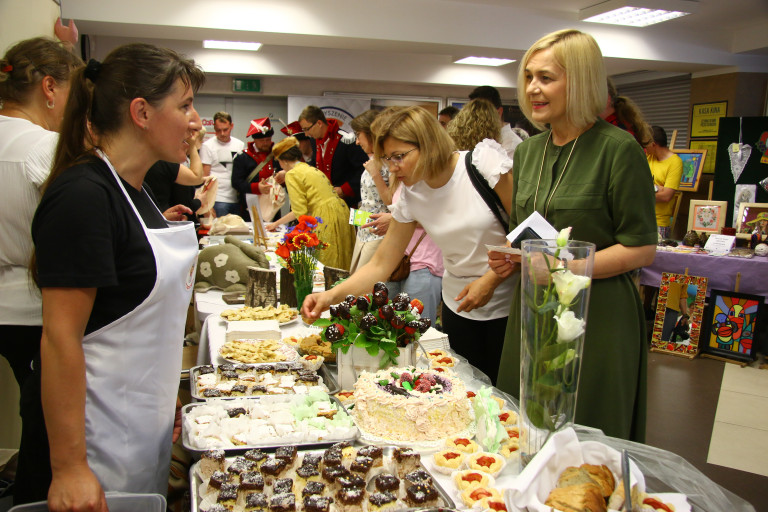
pixel 417 126
pixel 476 121
pixel 579 55
pixel 283 146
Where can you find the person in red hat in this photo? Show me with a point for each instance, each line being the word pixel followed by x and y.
pixel 338 157
pixel 306 144
pixel 252 167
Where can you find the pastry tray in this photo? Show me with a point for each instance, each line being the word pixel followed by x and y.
pixel 329 379
pixel 444 500
pixel 272 444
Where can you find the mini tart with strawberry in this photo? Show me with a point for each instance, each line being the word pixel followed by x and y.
pixel 292 341
pixel 493 505
pixel 491 463
pixel 461 444
pixel 513 432
pixel 436 354
pixel 443 362
pixel 510 448
pixel 471 478
pixel 508 417
pixel 345 396
pixel 448 461
pixel 311 361
pixel 477 493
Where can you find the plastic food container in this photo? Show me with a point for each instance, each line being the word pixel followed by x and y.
pixel 116 501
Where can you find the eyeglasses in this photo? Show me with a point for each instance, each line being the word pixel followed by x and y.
pixel 397 159
pixel 307 128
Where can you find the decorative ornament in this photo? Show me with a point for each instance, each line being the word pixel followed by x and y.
pixel 761 249
pixel 739 153
pixel 764 184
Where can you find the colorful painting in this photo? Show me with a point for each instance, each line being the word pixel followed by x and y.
pixel 679 313
pixel 693 163
pixel 731 322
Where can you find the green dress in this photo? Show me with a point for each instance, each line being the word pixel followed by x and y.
pixel 312 194
pixel 606 195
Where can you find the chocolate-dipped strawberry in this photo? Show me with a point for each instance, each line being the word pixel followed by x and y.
pixel 367 321
pixel 334 332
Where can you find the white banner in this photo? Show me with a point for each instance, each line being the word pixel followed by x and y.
pixel 334 107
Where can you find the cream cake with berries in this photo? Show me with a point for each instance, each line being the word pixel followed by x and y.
pixel 409 404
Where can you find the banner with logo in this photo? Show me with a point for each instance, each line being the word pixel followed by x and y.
pixel 334 107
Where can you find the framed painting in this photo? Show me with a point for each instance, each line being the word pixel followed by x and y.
pixel 693 165
pixel 710 146
pixel 750 219
pixel 679 313
pixel 707 216
pixel 730 325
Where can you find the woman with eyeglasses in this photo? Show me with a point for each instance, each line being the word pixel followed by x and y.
pixel 438 194
pixel 312 194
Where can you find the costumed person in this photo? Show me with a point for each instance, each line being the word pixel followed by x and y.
pixel 374 190
pixel 667 169
pixel 509 138
pixel 623 112
pixel 585 173
pixel 217 155
pixel 437 192
pixel 34 85
pixel 115 296
pixel 311 194
pixel 336 154
pixel 306 144
pixel 252 168
pixel 760 231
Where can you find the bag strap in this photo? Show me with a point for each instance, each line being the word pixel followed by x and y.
pixel 489 195
pixel 259 167
pixel 417 244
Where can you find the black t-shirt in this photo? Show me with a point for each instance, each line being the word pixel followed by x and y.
pixel 87 235
pixel 161 177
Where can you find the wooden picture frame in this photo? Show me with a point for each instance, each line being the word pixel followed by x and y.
pixel 693 165
pixel 707 216
pixel 747 213
pixel 710 146
pixel 730 325
pixel 672 333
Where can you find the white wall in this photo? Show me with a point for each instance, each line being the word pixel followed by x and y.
pixel 22 19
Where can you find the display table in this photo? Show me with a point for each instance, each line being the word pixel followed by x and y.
pixel 720 270
pixel 664 471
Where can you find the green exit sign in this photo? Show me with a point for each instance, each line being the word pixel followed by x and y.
pixel 246 85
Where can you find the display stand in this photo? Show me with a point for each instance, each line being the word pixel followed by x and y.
pixel 259 233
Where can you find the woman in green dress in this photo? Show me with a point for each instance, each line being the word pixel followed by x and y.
pixel 585 173
pixel 312 194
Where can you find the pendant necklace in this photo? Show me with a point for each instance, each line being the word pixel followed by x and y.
pixel 559 179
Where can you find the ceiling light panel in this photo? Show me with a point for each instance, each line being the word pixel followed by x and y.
pixel 635 16
pixel 231 45
pixel 483 61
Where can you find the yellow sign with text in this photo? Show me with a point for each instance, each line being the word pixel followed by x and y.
pixel 705 118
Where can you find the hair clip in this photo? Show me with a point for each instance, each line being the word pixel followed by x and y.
pixel 7 68
pixel 92 70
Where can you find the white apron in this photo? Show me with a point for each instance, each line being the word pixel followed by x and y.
pixel 133 367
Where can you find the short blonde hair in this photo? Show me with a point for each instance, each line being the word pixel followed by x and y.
pixel 477 120
pixel 417 126
pixel 579 55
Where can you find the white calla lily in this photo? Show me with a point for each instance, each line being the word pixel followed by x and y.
pixel 569 327
pixel 568 285
pixel 563 236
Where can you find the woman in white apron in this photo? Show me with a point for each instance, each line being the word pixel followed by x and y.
pixel 116 278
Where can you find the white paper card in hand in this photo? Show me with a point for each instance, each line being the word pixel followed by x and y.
pixel 536 223
pixel 503 248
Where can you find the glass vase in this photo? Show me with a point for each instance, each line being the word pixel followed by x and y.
pixel 555 282
pixel 303 276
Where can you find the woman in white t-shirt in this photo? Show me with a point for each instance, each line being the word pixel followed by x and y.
pixel 34 83
pixel 439 195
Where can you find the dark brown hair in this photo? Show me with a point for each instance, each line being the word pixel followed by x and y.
pixel 100 95
pixel 362 123
pixel 629 114
pixel 26 63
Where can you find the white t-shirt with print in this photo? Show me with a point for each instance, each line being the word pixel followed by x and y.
pixel 219 156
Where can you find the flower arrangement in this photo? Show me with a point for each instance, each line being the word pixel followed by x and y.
pixel 297 250
pixel 376 324
pixel 556 281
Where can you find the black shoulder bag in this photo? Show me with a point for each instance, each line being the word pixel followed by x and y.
pixel 489 195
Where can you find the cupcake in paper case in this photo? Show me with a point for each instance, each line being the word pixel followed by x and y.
pixel 511 448
pixel 513 432
pixel 311 361
pixel 491 463
pixel 470 478
pixel 448 461
pixel 492 505
pixel 461 444
pixel 292 341
pixel 475 494
pixel 346 397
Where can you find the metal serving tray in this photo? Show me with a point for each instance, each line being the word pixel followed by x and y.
pixel 447 503
pixel 329 380
pixel 272 444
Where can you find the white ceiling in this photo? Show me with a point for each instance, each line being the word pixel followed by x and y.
pixel 416 41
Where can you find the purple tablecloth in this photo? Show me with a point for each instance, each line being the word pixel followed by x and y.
pixel 721 271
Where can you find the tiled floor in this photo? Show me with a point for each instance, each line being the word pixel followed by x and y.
pixel 683 416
